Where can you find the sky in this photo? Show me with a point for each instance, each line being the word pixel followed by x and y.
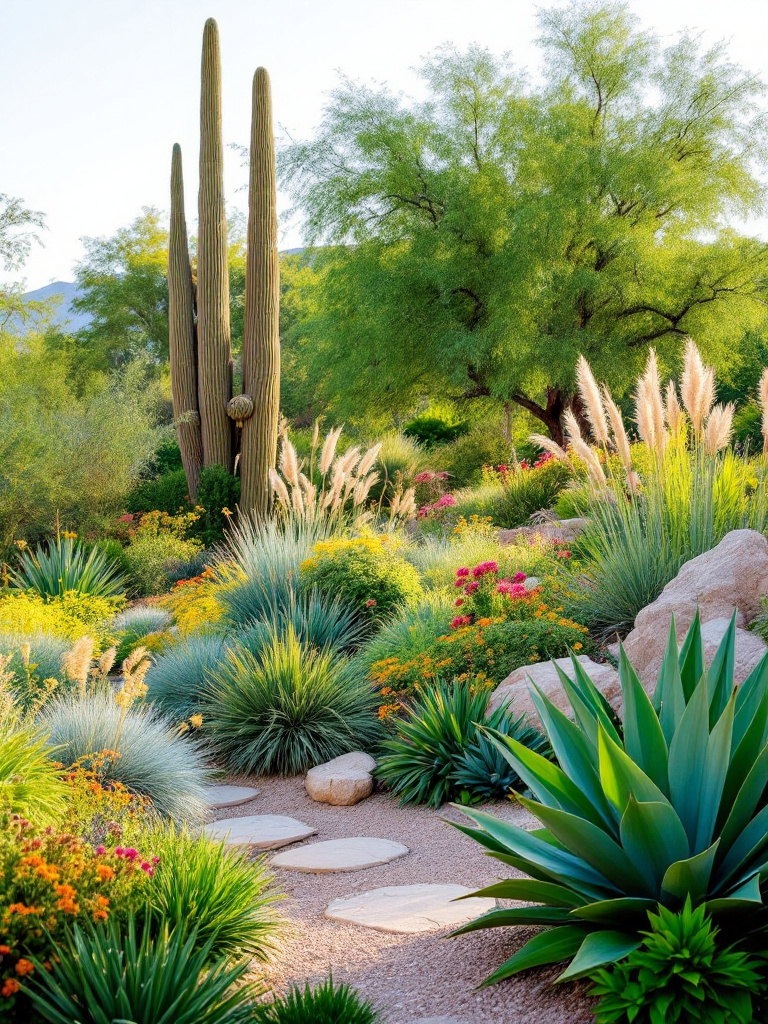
pixel 93 93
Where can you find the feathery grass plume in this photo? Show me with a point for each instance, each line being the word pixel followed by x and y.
pixel 346 463
pixel 620 439
pixel 77 662
pixel 697 387
pixel 582 450
pixel 105 662
pixel 717 432
pixel 673 411
pixel 592 401
pixel 649 407
pixel 763 402
pixel 279 488
pixel 548 445
pixel 369 459
pixel 289 463
pixel 329 450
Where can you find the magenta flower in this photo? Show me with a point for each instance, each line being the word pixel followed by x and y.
pixel 471 588
pixel 119 851
pixel 462 572
pixel 101 850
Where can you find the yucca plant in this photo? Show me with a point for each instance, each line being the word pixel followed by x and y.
pixel 673 808
pixel 63 566
pixel 104 975
pixel 482 772
pixel 288 708
pixel 324 1004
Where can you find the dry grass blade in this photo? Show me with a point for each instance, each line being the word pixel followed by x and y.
pixel 673 411
pixel 279 488
pixel 649 414
pixel 329 450
pixel 582 450
pixel 697 387
pixel 571 426
pixel 369 459
pixel 620 439
pixel 592 401
pixel 289 463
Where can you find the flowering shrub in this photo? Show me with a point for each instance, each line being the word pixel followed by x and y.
pixel 159 543
pixel 104 813
pixel 430 486
pixel 437 510
pixel 48 880
pixel 194 603
pixel 69 617
pixel 366 573
pixel 524 490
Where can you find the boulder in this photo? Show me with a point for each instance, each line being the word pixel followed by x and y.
pixel 564 531
pixel 343 781
pixel 544 674
pixel 733 575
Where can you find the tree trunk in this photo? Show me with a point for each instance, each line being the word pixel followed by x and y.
pixel 261 337
pixel 181 334
pixel 213 331
pixel 551 414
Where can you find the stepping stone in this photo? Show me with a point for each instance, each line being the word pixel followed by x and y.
pixel 409 908
pixel 340 855
pixel 262 831
pixel 343 781
pixel 229 796
pixel 437 1020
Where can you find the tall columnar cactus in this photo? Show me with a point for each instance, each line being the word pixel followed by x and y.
pixel 213 331
pixel 261 338
pixel 182 339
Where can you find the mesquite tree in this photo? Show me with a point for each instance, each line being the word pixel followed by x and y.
pixel 200 348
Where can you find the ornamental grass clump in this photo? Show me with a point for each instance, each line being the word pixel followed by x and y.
pixel 670 808
pixel 65 566
pixel 287 708
pixel 324 1004
pixel 29 781
pixel 177 679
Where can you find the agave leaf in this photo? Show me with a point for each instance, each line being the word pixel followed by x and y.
pixel 560 865
pixel 745 849
pixel 579 760
pixel 548 947
pixel 744 757
pixel 530 890
pixel 592 845
pixel 584 711
pixel 741 807
pixel 653 837
pixel 546 780
pixel 598 948
pixel 692 658
pixel 691 877
pixel 715 772
pixel 643 736
pixel 592 695
pixel 479 835
pixel 622 911
pixel 745 897
pixel 669 698
pixel 687 758
pixel 505 917
pixel 720 673
pixel 749 696
pixel 622 778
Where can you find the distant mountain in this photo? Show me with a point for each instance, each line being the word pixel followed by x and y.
pixel 64 316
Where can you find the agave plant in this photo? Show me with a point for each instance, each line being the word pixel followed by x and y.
pixel 64 565
pixel 673 808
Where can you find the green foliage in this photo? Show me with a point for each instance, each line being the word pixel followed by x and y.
pixel 465 457
pixel 64 567
pixel 103 975
pixel 154 759
pixel 670 808
pixel 161 552
pixel 433 430
pixel 141 625
pixel 287 709
pixel 24 614
pixel 178 678
pixel 397 462
pixel 167 493
pixel 634 546
pixel 426 761
pixel 227 895
pixel 46 652
pixel 501 199
pixel 217 490
pixel 413 630
pixel 525 492
pixel 325 1004
pixel 481 771
pixel 366 572
pixel 319 622
pixel 679 974
pixel 29 781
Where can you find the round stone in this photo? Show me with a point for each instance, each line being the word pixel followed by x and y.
pixel 229 796
pixel 262 831
pixel 340 855
pixel 409 908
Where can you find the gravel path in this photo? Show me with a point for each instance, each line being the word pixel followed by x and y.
pixel 408 976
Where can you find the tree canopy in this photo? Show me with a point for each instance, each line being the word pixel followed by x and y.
pixel 472 244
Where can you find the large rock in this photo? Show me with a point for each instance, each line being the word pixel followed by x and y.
pixel 544 674
pixel 733 575
pixel 563 531
pixel 343 781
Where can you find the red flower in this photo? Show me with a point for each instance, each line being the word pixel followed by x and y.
pixel 459 602
pixel 519 577
pixel 563 554
pixel 371 602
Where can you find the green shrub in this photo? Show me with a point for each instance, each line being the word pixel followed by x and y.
pixel 420 762
pixel 433 430
pixel 482 772
pixel 437 558
pixel 366 573
pixel 69 617
pixel 109 974
pixel 325 1004
pixel 218 495
pixel 413 630
pixel 465 457
pixel 177 679
pixel 155 561
pixel 672 807
pixel 287 709
pixel 320 622
pixel 167 493
pixel 29 780
pixel 678 975
pixel 63 567
pixel 138 625
pixel 398 460
pixel 227 895
pixel 154 759
pixel 259 568
pixel 524 492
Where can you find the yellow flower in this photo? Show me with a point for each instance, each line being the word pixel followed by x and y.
pixel 195 721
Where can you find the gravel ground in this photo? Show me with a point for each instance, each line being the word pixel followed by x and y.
pixel 408 976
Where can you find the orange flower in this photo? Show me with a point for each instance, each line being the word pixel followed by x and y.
pixel 11 987
pixel 100 915
pixel 105 872
pixel 102 901
pixel 24 967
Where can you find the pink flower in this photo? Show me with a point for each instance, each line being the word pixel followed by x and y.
pixel 461 620
pixel 563 554
pixel 459 582
pixel 459 602
pixel 119 851
pixel 471 588
pixel 503 586
pixel 101 850
pixel 130 854
pixel 155 860
pixel 483 568
pixel 423 478
pixel 462 572
pixel 517 590
pixel 519 577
